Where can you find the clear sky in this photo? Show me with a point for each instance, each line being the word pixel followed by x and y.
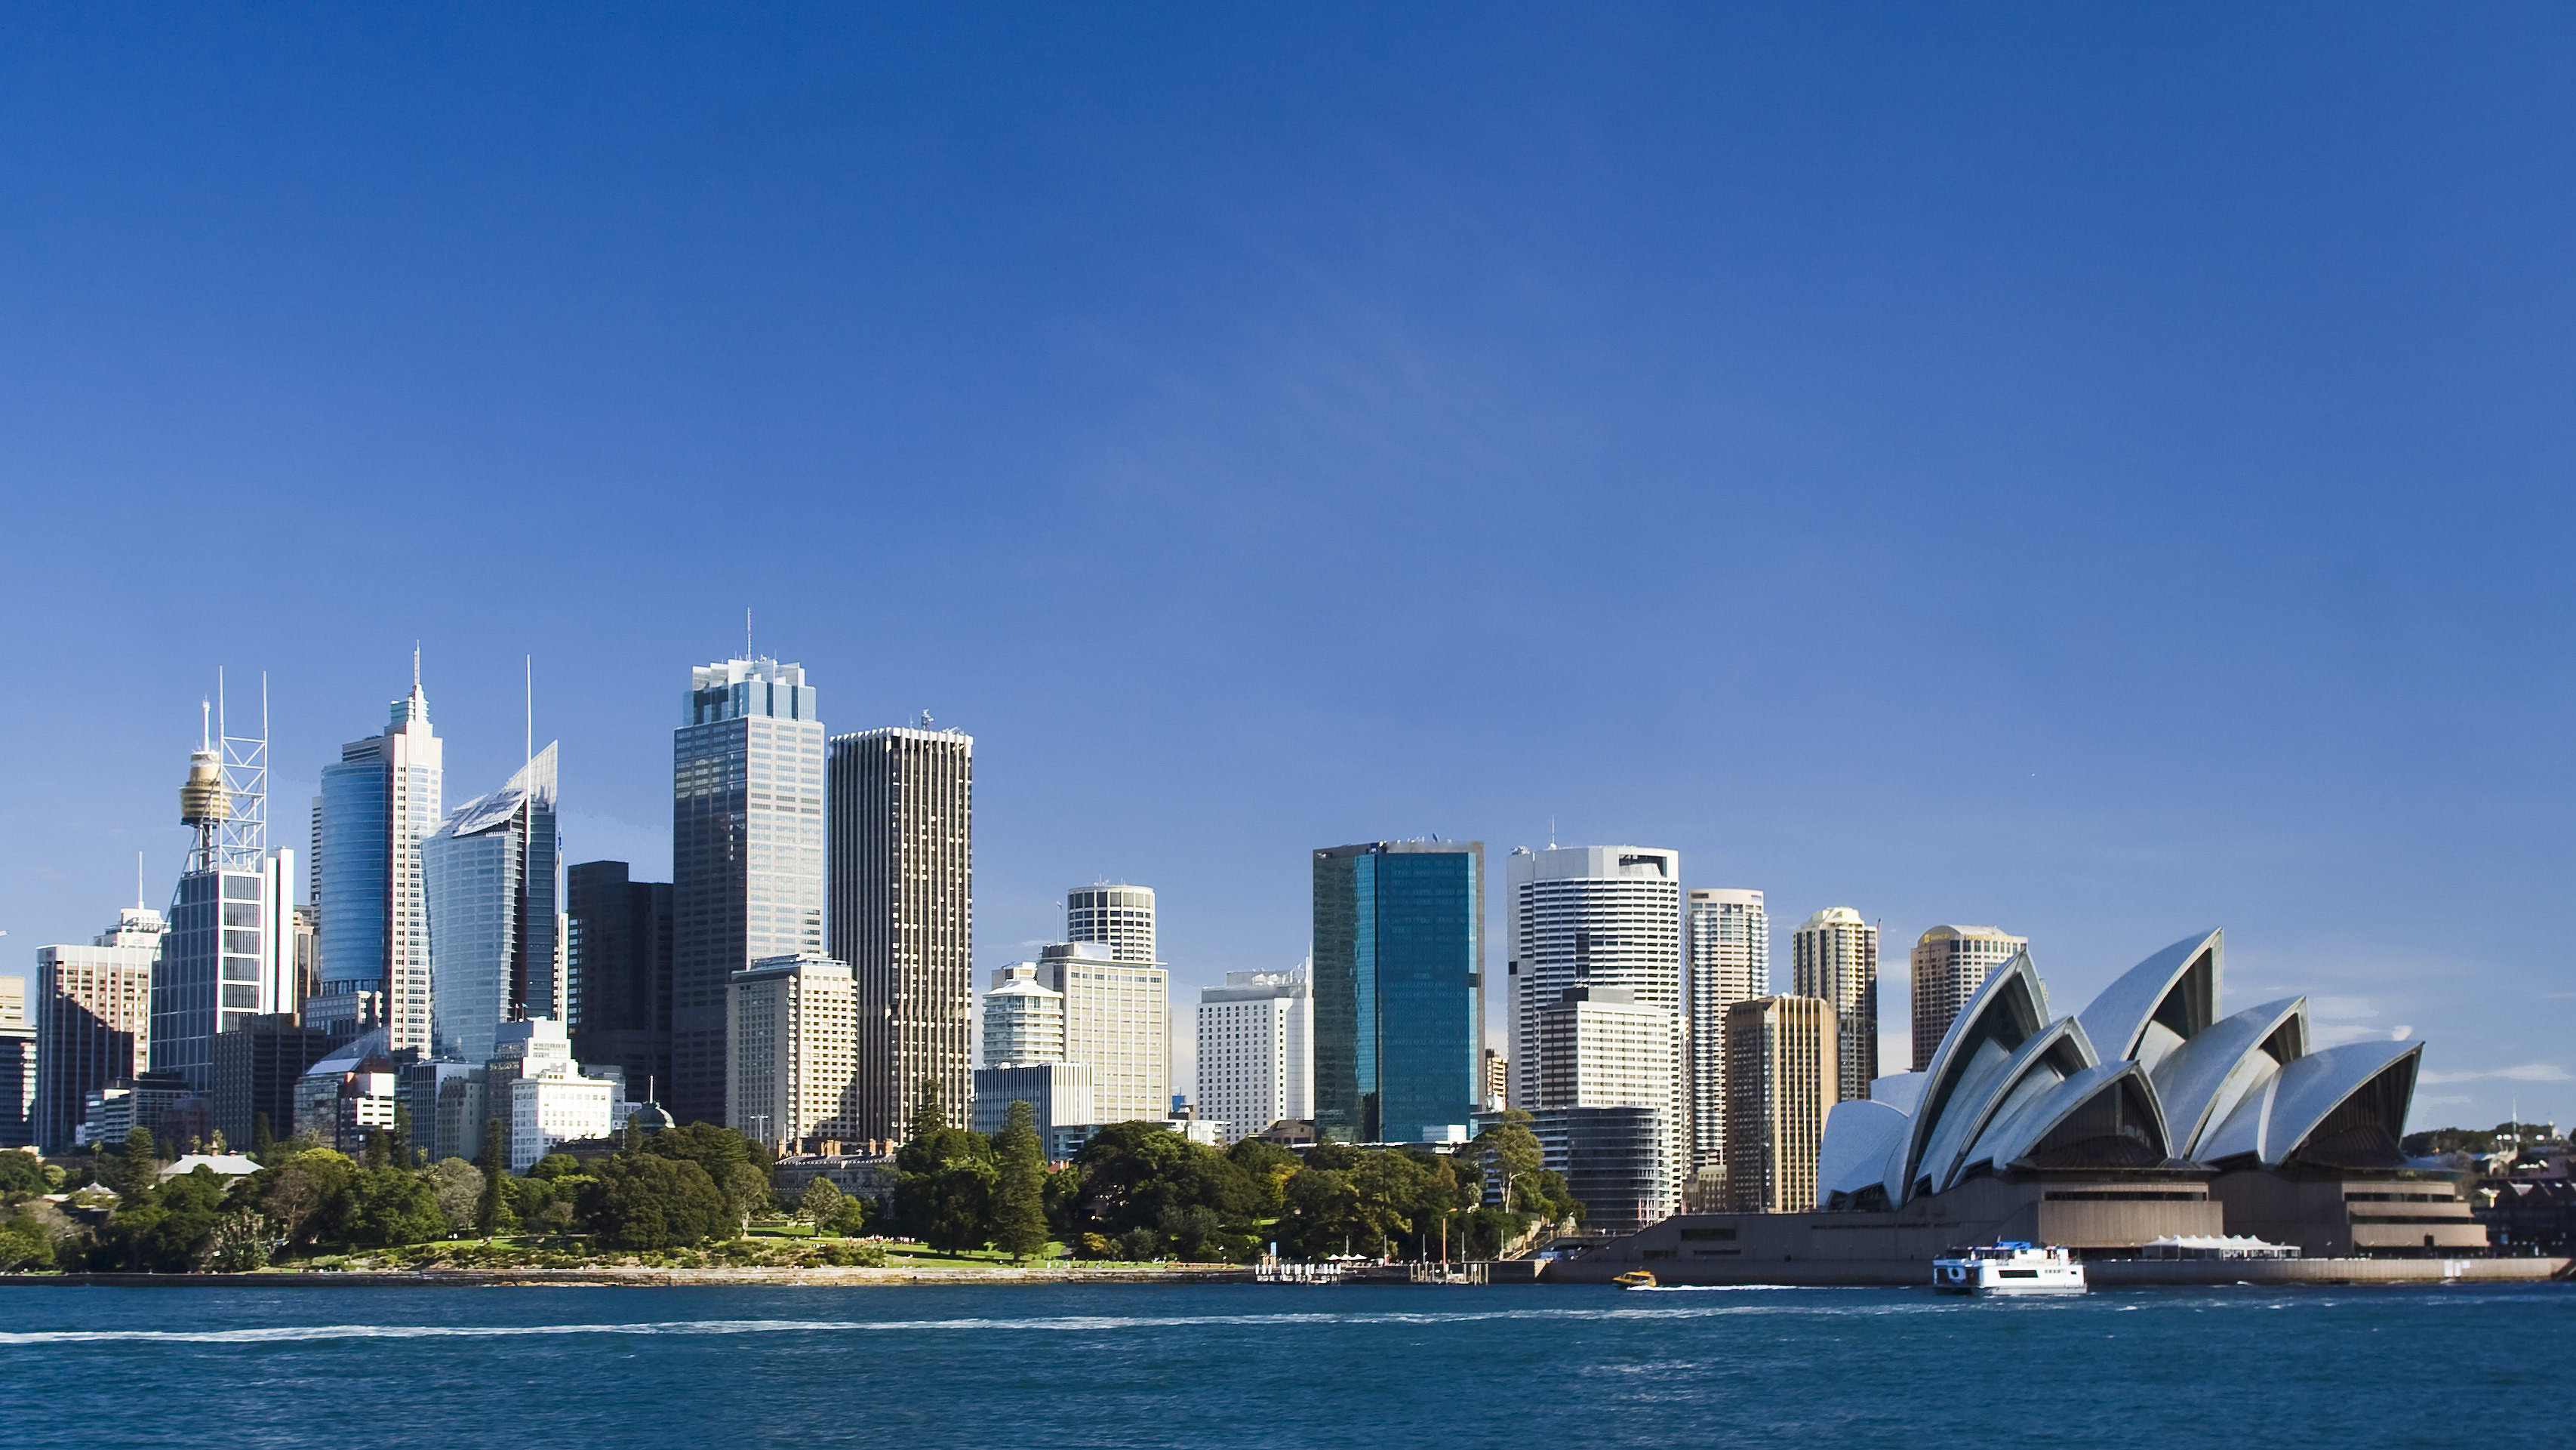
pixel 2096 470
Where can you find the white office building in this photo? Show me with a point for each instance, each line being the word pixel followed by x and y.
pixel 1602 1047
pixel 548 1101
pixel 1023 1019
pixel 1256 1052
pixel 1589 916
pixel 1730 962
pixel 1119 917
pixel 794 1034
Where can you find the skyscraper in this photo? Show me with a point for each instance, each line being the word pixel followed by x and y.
pixel 1781 1068
pixel 746 855
pixel 1950 963
pixel 17 1065
pixel 1590 916
pixel 1599 1048
pixel 1118 916
pixel 379 801
pixel 1730 962
pixel 1118 1022
pixel 1836 960
pixel 792 1051
pixel 1256 1051
pixel 617 954
pixel 493 876
pixel 1399 959
pixel 229 954
pixel 93 1020
pixel 903 916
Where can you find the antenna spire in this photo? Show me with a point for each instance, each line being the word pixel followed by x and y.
pixel 415 667
pixel 530 663
pixel 746 633
pixel 205 724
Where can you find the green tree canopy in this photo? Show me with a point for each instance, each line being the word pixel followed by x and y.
pixel 1019 1188
pixel 649 1201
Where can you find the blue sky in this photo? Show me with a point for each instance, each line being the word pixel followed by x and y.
pixel 2100 471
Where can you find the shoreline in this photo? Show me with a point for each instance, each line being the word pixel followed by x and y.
pixel 820 1276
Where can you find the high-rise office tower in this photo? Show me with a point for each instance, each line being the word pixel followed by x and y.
pixel 93 1020
pixel 1599 1047
pixel 746 855
pixel 1781 1070
pixel 1497 1081
pixel 1256 1051
pixel 17 1065
pixel 229 954
pixel 493 878
pixel 1836 960
pixel 379 801
pixel 617 955
pixel 1023 1018
pixel 1950 963
pixel 1581 916
pixel 793 1038
pixel 1399 963
pixel 903 916
pixel 1730 962
pixel 1118 1022
pixel 256 1067
pixel 1118 916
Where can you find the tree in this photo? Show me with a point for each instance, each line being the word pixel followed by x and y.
pixel 307 1195
pixel 399 1145
pixel 458 1186
pixel 263 1138
pixel 819 1203
pixel 943 1180
pixel 24 1244
pixel 1511 1153
pixel 1267 1167
pixel 164 1231
pixel 1019 1185
pixel 647 1201
pixel 487 1213
pixel 134 1169
pixel 21 1173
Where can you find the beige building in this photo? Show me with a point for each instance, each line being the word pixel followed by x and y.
pixel 1781 1069
pixel 93 1013
pixel 1950 964
pixel 1835 958
pixel 1118 1020
pixel 793 1033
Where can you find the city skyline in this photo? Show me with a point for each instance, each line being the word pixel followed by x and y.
pixel 2081 377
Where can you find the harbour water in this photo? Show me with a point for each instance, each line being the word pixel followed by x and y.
pixel 1215 1365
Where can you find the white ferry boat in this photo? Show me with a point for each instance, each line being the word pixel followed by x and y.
pixel 2008 1268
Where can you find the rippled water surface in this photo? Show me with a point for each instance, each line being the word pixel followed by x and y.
pixel 1543 1368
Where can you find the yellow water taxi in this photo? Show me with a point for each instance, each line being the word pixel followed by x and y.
pixel 1635 1279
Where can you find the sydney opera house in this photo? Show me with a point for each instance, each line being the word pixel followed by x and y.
pixel 2147 1116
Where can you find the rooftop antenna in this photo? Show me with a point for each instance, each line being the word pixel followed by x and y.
pixel 529 662
pixel 415 667
pixel 138 881
pixel 1551 833
pixel 746 633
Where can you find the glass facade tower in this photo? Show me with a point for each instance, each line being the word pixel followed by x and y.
pixel 1399 958
pixel 379 801
pixel 746 854
pixel 617 949
pixel 493 876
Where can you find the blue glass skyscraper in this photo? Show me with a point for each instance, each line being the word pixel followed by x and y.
pixel 379 801
pixel 1399 977
pixel 493 876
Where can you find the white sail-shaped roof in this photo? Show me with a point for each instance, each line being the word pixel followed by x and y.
pixel 2375 1080
pixel 2199 1082
pixel 2160 1003
pixel 2009 1008
pixel 2119 1093
pixel 1860 1133
pixel 2047 1058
